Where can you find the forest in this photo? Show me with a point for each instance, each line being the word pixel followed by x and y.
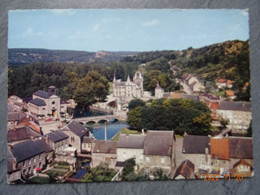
pixel 229 60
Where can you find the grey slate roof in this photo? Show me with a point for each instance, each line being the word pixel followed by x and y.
pixel 26 150
pixel 131 141
pixel 194 144
pixel 191 97
pixel 15 116
pixel 21 134
pixel 10 160
pixel 77 129
pixel 43 145
pixel 38 102
pixel 42 94
pixel 56 136
pixel 241 148
pixel 185 169
pixel 237 106
pixel 158 143
pixel 108 147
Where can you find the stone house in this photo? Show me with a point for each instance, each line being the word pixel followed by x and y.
pixel 185 170
pixel 159 149
pixel 57 140
pixel 46 104
pixel 197 150
pixel 104 152
pixel 28 156
pixel 76 132
pixel 47 149
pixel 239 115
pixel 130 146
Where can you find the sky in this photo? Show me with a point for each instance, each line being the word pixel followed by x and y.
pixel 125 29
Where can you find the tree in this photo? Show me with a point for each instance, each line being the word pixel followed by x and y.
pixel 224 122
pixel 135 103
pixel 90 89
pixel 128 170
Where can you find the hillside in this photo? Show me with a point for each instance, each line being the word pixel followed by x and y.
pixel 29 56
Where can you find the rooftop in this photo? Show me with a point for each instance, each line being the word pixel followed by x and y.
pixel 185 169
pixel 241 148
pixel 15 116
pixel 38 102
pixel 236 106
pixel 21 134
pixel 131 141
pixel 56 136
pixel 158 143
pixel 219 148
pixel 42 94
pixel 102 146
pixel 77 129
pixel 43 145
pixel 194 144
pixel 26 150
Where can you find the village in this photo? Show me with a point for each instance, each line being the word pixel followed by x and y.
pixel 45 141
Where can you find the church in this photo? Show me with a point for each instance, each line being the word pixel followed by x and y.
pixel 127 90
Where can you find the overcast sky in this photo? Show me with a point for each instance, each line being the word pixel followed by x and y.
pixel 125 29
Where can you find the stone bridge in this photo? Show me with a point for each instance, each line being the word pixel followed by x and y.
pixel 96 119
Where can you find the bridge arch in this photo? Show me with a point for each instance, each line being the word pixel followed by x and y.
pixel 90 122
pixel 102 121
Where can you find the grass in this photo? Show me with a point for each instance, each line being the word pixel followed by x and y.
pixel 125 131
pixel 220 93
pixel 58 172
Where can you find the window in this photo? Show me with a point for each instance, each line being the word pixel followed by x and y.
pixel 24 163
pixel 40 157
pixel 53 102
pixel 162 160
pixel 147 159
pixel 141 157
pixel 29 161
pixel 34 159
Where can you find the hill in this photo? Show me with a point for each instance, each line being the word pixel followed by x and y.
pixel 29 56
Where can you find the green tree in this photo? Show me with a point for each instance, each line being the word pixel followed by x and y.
pixel 90 89
pixel 128 170
pixel 135 103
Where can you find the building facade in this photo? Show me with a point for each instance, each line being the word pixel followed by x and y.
pixel 126 90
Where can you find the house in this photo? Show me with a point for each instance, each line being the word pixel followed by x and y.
pixel 28 156
pixel 104 152
pixel 159 149
pixel 194 84
pixel 185 170
pixel 13 172
pixel 239 115
pixel 243 168
pixel 76 132
pixel 158 91
pixel 130 146
pixel 22 134
pixel 87 144
pixel 46 104
pixel 223 83
pixel 197 149
pixel 58 140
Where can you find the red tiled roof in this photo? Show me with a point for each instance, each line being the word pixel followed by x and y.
pixel 219 148
pixel 229 82
pixel 34 128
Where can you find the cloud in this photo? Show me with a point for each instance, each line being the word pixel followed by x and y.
pixel 63 11
pixel 151 23
pixel 96 27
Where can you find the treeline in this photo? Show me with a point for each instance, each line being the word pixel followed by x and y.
pixel 180 115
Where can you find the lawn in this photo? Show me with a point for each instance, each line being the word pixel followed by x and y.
pixel 39 180
pixel 125 131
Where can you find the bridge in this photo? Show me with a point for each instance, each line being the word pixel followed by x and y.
pixel 96 119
